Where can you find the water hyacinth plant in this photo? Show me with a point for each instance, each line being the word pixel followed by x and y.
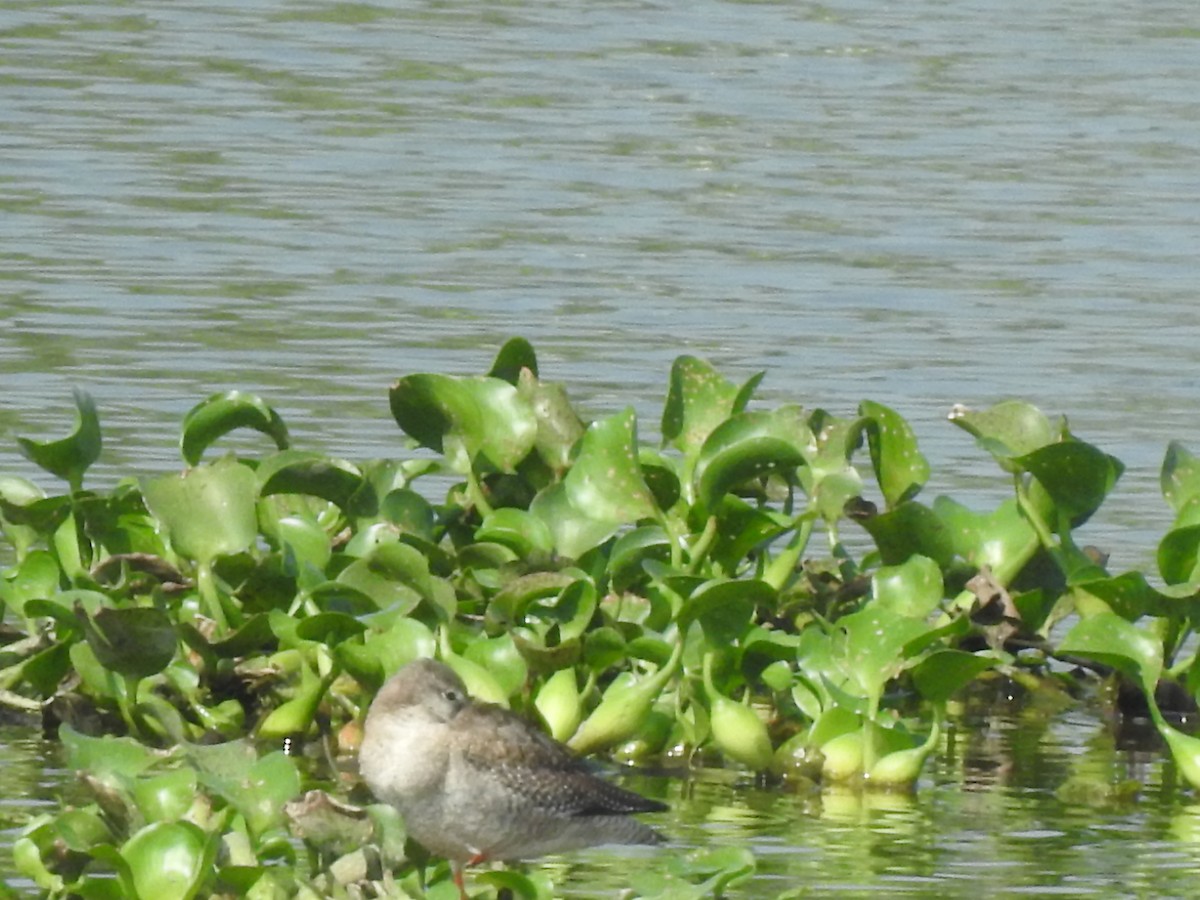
pixel 697 601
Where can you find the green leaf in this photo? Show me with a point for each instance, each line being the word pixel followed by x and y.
pixel 108 755
pixel 1009 429
pixel 71 456
pixel 699 399
pixel 335 480
pixel 36 577
pixel 1114 642
pixel 745 446
pixel 516 354
pixel 220 414
pixel 208 511
pixel 724 608
pixel 396 574
pixel 1076 475
pixel 877 647
pixel 943 673
pixel 1179 555
pixel 900 467
pixel 1180 480
pixel 136 642
pixel 603 490
pixel 481 424
pixel 558 425
pixel 169 859
pixel 913 588
pixel 517 529
pixel 911 528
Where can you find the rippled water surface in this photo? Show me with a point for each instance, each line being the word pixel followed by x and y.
pixel 921 203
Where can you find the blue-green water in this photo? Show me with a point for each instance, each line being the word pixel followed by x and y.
pixel 923 204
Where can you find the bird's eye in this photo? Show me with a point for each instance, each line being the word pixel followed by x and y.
pixel 451 695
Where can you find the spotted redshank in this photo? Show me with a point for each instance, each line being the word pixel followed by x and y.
pixel 476 782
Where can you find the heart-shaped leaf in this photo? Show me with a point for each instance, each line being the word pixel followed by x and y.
pixel 208 511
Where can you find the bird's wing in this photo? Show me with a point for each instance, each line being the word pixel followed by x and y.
pixel 527 761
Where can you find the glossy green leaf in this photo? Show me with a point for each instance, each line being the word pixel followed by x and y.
pixel 36 577
pixel 15 495
pixel 605 482
pixel 480 424
pixel 699 399
pixel 900 467
pixel 70 457
pixel 559 704
pixel 166 797
pixel 516 354
pixel 911 528
pixel 913 588
pixel 208 511
pixel 258 788
pixel 394 575
pixel 1180 480
pixel 169 859
pixel 1076 475
pixel 335 480
pixel 724 608
pixel 122 757
pixel 878 641
pixel 631 549
pixel 1003 539
pixel 745 446
pixel 499 655
pixel 1179 555
pixel 603 490
pixel 558 425
pixel 1009 429
pixel 517 529
pixel 1109 639
pixel 222 413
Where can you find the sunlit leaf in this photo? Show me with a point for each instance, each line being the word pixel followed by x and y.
pixel 900 467
pixel 698 400
pixel 516 354
pixel 222 413
pixel 480 424
pixel 913 588
pixel 745 446
pixel 334 480
pixel 71 456
pixel 558 425
pixel 1109 639
pixel 943 673
pixel 208 511
pixel 1009 429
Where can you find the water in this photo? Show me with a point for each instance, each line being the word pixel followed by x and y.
pixel 922 203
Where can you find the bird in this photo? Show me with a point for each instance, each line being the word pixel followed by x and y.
pixel 475 782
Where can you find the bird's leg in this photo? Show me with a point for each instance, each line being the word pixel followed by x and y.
pixel 457 868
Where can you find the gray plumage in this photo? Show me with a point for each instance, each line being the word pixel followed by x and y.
pixel 474 781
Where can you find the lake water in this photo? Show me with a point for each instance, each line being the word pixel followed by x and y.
pixel 923 204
